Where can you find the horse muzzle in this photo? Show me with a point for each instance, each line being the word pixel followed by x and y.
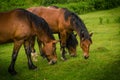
pixel 51 62
pixel 86 56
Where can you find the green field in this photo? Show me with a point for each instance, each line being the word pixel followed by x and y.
pixel 103 63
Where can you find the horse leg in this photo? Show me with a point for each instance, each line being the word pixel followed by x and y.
pixel 60 41
pixel 40 48
pixel 17 45
pixel 63 45
pixel 32 43
pixel 33 53
pixel 28 53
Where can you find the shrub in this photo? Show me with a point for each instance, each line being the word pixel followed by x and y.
pixel 78 6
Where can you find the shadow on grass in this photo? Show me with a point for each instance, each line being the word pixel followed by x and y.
pixel 112 70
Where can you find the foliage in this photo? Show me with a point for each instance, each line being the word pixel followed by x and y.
pixel 77 6
pixel 6 5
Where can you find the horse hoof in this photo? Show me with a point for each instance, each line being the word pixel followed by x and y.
pixel 64 59
pixel 73 55
pixel 35 60
pixel 33 67
pixel 12 72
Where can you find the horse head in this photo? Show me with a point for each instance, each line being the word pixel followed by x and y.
pixel 72 44
pixel 49 51
pixel 85 45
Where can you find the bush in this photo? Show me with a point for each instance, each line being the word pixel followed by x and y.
pixel 77 6
pixel 105 4
pixel 6 5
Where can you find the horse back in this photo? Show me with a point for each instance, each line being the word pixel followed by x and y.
pixel 54 17
pixel 13 25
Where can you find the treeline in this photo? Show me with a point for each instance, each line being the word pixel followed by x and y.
pixel 78 6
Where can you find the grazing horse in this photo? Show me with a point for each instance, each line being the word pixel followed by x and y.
pixel 64 22
pixel 71 43
pixel 19 26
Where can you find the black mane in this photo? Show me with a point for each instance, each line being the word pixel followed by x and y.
pixel 71 41
pixel 77 24
pixel 39 22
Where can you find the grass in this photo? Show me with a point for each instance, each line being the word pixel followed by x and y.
pixel 103 64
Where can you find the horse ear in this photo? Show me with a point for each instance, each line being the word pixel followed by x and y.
pixel 91 34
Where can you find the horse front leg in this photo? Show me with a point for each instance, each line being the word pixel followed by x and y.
pixel 33 51
pixel 63 38
pixel 17 45
pixel 40 48
pixel 28 53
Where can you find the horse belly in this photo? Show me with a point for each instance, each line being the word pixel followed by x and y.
pixel 53 24
pixel 5 39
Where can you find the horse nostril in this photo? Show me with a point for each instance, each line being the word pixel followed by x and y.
pixel 86 57
pixel 54 62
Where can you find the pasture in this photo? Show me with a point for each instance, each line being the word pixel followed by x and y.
pixel 103 63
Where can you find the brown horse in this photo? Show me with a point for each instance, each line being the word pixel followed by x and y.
pixel 19 26
pixel 71 43
pixel 64 22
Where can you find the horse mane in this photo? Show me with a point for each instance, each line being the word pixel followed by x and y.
pixel 71 41
pixel 40 23
pixel 77 24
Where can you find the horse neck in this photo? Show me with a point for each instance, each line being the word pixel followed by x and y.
pixel 45 38
pixel 80 28
pixel 43 35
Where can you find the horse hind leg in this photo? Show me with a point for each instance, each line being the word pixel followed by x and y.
pixel 63 52
pixel 17 45
pixel 63 45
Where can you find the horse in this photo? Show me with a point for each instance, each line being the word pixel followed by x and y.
pixel 71 43
pixel 64 22
pixel 19 26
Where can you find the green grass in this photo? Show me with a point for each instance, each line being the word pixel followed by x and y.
pixel 103 64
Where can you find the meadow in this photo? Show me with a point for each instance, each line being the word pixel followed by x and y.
pixel 103 63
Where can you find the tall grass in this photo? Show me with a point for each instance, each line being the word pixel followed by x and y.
pixel 103 64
